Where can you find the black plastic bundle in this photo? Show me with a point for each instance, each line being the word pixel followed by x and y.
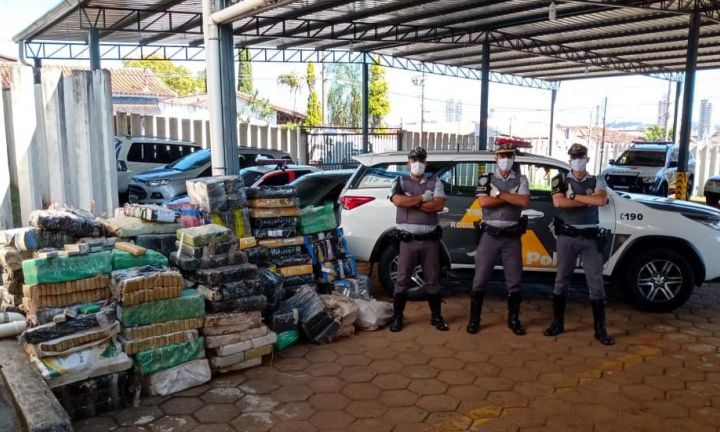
pixel 299 280
pixel 258 255
pixel 284 319
pixel 76 223
pixel 189 264
pixel 239 289
pixel 271 192
pixel 223 275
pixel 243 304
pixel 276 222
pixel 284 251
pixel 55 330
pixel 291 260
pixel 317 324
pixel 163 243
pixel 273 233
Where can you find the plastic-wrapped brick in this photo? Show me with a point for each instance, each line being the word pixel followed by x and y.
pixel 66 268
pixel 189 305
pixel 279 222
pixel 73 222
pixel 227 274
pixel 203 235
pixel 165 357
pixel 231 290
pixel 266 233
pixel 286 191
pixel 244 304
pixel 299 259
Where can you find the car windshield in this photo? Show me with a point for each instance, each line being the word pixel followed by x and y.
pixel 250 176
pixel 641 158
pixel 191 161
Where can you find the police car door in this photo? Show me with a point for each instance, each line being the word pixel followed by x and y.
pixel 462 209
pixel 538 244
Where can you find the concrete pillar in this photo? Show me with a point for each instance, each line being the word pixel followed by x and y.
pixel 26 146
pixel 101 134
pixel 148 125
pixel 197 127
pixel 56 138
pixel 173 128
pixel 161 127
pixel 185 125
pixel 136 125
pixel 6 213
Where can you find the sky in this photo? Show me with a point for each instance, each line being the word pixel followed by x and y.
pixel 630 98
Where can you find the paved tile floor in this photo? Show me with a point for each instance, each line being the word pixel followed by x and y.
pixel 662 375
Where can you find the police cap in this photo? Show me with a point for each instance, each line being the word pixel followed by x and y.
pixel 505 149
pixel 417 153
pixel 577 150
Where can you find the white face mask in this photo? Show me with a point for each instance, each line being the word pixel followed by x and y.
pixel 417 168
pixel 505 164
pixel 578 164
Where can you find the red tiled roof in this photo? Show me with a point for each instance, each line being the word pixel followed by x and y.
pixel 201 102
pixel 4 76
pixel 139 82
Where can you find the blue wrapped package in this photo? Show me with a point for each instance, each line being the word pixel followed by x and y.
pixel 330 271
pixel 358 287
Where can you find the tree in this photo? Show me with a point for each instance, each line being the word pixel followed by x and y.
pixel 314 110
pixel 378 100
pixel 256 107
pixel 245 78
pixel 656 133
pixel 293 81
pixel 178 78
pixel 344 99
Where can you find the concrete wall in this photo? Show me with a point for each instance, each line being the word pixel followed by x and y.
pixel 61 141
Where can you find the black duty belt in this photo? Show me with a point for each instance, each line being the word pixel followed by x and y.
pixel 512 231
pixel 406 236
pixel 561 228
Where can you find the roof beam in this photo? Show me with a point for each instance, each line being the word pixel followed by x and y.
pixel 709 9
pixel 128 20
pixel 310 30
pixel 92 17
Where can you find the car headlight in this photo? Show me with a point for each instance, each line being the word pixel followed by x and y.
pixel 649 179
pixel 155 183
pixel 712 222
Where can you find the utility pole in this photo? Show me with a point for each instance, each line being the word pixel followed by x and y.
pixel 597 144
pixel 666 117
pixel 420 81
pixel 322 94
pixel 602 140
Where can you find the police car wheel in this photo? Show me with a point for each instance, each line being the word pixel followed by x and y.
pixel 659 280
pixel 388 271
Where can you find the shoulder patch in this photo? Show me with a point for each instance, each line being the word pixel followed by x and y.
pixel 589 192
pixel 555 181
pixel 483 181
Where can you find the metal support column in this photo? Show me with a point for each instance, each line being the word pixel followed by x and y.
pixel 365 104
pixel 484 96
pixel 678 89
pixel 681 178
pixel 553 96
pixel 212 67
pixel 229 101
pixel 94 43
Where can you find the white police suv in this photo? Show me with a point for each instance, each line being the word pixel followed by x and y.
pixel 648 167
pixel 660 248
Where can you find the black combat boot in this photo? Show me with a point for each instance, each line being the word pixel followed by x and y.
pixel 436 319
pixel 557 325
pixel 598 308
pixel 398 308
pixel 476 303
pixel 514 323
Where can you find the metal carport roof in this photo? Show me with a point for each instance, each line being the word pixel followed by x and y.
pixel 588 38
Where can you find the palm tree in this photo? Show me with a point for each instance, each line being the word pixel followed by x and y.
pixel 294 82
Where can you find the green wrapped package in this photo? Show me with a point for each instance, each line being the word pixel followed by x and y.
pixel 66 268
pixel 286 339
pixel 165 357
pixel 317 219
pixel 122 260
pixel 204 235
pixel 189 305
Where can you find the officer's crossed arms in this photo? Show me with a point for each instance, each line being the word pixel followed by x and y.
pixel 490 197
pixel 564 197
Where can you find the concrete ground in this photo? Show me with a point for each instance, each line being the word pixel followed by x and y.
pixel 662 375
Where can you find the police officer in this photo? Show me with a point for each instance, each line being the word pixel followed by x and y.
pixel 418 199
pixel 502 196
pixel 578 196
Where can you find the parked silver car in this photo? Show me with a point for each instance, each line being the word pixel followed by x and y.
pixel 137 154
pixel 163 184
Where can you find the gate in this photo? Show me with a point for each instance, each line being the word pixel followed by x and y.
pixel 334 148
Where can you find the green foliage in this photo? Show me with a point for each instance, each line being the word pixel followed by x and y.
pixel 293 81
pixel 178 78
pixel 656 133
pixel 310 78
pixel 378 99
pixel 314 112
pixel 245 78
pixel 344 96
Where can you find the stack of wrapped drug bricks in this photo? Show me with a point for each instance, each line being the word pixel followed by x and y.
pixel 160 221
pixel 51 229
pixel 74 339
pixel 274 219
pixel 160 323
pixel 316 322
pixel 223 202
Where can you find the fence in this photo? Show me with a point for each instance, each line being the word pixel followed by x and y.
pixel 334 148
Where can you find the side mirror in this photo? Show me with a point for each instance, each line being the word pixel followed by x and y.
pixel 672 164
pixel 611 161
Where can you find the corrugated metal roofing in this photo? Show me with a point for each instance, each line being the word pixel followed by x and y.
pixel 649 33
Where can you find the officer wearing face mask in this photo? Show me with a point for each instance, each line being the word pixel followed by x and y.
pixel 578 196
pixel 418 199
pixel 502 196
